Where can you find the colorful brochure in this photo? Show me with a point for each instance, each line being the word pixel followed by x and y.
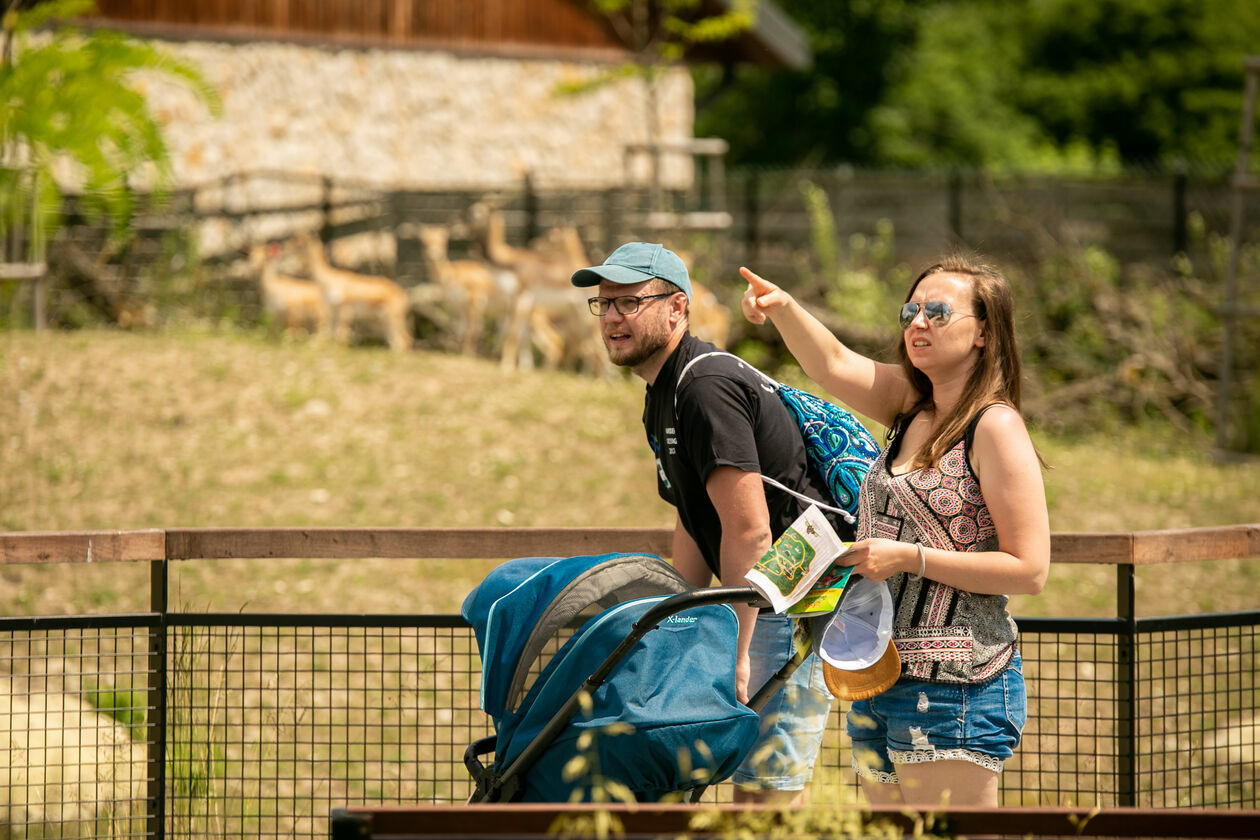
pixel 799 557
pixel 824 597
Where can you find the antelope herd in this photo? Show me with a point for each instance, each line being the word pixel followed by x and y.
pixel 522 293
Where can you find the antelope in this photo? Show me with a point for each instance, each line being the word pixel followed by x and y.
pixel 360 298
pixel 486 223
pixel 288 300
pixel 559 324
pixel 470 284
pixel 548 310
pixel 563 243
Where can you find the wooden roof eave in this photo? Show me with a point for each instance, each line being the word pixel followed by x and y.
pixel 780 37
pixel 249 34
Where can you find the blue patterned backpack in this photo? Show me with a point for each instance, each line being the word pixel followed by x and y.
pixel 836 444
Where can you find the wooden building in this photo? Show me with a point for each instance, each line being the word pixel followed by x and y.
pixel 554 28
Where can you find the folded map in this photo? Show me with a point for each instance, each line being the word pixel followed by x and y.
pixel 799 557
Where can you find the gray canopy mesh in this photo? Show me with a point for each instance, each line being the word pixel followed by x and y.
pixel 616 581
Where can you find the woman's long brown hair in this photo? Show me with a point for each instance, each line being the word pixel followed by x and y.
pixel 996 375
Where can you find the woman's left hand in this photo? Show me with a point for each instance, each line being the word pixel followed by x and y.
pixel 879 559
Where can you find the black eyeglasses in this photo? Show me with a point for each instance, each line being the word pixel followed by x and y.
pixel 937 313
pixel 626 304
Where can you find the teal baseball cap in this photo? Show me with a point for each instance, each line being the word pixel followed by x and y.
pixel 636 262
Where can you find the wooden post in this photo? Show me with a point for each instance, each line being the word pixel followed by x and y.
pixel 717 183
pixel 326 205
pixel 23 253
pixel 1179 207
pixel 531 209
pixel 37 255
pixel 1229 312
pixel 611 213
pixel 39 291
pixel 955 188
pixel 752 220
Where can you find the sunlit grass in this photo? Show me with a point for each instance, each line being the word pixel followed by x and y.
pixel 118 430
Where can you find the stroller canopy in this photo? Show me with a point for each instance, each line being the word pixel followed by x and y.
pixel 673 695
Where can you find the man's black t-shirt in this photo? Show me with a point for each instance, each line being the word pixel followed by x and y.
pixel 726 416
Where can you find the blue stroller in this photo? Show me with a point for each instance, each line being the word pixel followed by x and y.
pixel 615 659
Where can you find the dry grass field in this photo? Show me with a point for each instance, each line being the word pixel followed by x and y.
pixel 115 430
pixel 271 728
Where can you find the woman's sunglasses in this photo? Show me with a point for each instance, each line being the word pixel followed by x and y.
pixel 937 313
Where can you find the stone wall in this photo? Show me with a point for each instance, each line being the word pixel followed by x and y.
pixel 411 119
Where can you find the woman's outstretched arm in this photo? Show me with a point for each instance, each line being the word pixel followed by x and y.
pixel 878 390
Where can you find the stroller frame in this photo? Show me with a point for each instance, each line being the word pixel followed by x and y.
pixel 500 787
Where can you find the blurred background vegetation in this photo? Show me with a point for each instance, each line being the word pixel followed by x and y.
pixel 1045 85
pixel 1053 87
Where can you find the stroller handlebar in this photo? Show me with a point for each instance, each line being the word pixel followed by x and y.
pixel 702 597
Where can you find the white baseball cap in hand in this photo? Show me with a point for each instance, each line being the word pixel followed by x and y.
pixel 855 641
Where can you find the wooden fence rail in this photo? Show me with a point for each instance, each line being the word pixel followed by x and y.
pixel 532 820
pixel 1137 548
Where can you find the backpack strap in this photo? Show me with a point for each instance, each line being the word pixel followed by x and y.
pixel 774 385
pixel 848 517
pixel 769 380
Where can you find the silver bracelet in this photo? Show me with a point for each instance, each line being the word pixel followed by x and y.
pixel 922 559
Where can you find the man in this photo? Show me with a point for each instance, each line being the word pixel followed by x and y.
pixel 715 433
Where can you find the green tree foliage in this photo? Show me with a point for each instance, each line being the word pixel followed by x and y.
pixel 69 101
pixel 1045 85
pixel 952 98
pixel 1154 79
pixel 660 32
pixel 666 29
pixel 786 116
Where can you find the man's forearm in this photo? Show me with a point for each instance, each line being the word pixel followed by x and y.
pixel 741 506
pixel 688 560
pixel 739 555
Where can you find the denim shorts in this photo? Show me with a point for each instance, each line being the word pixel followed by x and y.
pixel 915 722
pixel 793 721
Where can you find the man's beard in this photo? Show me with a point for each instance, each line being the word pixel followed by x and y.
pixel 652 338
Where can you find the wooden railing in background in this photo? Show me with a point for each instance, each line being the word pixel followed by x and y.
pixel 1136 548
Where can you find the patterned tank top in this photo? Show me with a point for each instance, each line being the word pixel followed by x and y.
pixel 942 634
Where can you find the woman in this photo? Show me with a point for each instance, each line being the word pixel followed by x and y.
pixel 952 515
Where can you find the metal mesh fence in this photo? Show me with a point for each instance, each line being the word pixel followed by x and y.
pixel 1197 719
pixel 1069 753
pixel 73 737
pixel 272 721
pixel 272 726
